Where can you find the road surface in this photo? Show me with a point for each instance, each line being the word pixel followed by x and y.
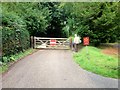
pixel 53 69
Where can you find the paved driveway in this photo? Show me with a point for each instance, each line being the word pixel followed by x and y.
pixel 53 69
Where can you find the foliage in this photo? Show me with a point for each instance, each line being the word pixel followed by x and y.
pixel 16 56
pixel 15 37
pixel 37 20
pixel 96 20
pixel 57 19
pixel 14 42
pixel 34 16
pixel 97 62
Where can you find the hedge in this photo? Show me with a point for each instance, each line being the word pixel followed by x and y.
pixel 15 36
pixel 14 41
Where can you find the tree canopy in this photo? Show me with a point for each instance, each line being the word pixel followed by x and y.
pixel 98 20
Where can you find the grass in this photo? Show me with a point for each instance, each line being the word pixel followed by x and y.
pixel 3 68
pixel 97 62
pixel 14 58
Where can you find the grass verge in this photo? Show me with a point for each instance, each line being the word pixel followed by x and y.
pixel 9 60
pixel 97 62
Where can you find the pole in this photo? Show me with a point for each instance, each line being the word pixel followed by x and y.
pixel 34 42
pixel 87 49
pixel 87 53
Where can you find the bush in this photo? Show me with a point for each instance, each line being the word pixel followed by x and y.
pixel 15 37
pixel 14 42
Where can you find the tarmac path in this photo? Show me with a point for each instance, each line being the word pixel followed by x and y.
pixel 53 69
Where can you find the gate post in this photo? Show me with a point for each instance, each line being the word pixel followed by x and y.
pixel 34 42
pixel 31 42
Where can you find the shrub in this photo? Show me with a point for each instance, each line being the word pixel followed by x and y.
pixel 15 37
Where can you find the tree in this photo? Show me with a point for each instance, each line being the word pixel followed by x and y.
pixel 96 20
pixel 35 17
pixel 57 19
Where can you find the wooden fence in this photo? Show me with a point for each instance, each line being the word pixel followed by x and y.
pixel 50 43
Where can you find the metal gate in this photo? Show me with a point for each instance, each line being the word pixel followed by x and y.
pixel 51 43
